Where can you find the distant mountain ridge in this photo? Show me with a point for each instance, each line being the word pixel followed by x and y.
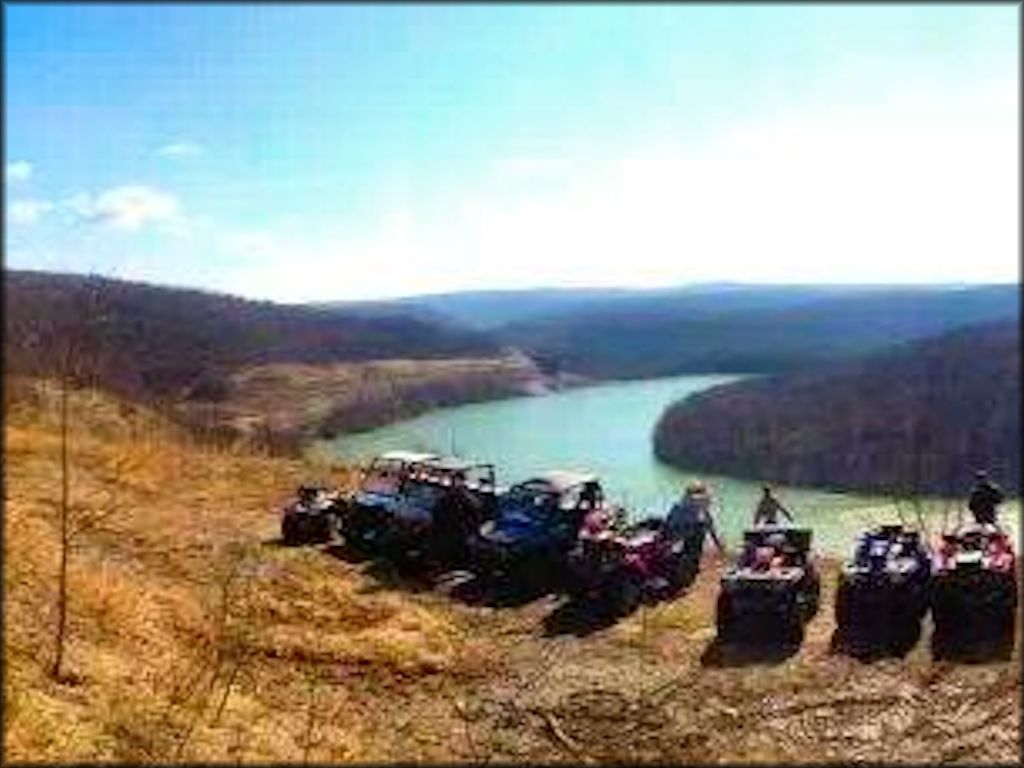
pixel 916 418
pixel 488 310
pixel 493 309
pixel 760 330
pixel 619 333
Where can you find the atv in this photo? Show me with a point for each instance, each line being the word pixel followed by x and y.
pixel 366 514
pixel 535 525
pixel 617 567
pixel 974 586
pixel 440 504
pixel 311 517
pixel 772 590
pixel 883 591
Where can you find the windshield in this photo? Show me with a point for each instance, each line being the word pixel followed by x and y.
pixel 423 495
pixel 530 501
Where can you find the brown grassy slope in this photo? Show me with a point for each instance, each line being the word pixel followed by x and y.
pixel 163 674
pixel 302 655
pixel 293 398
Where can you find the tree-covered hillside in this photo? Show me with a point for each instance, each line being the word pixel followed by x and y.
pixel 918 417
pixel 140 339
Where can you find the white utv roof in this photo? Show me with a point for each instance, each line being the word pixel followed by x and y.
pixel 561 480
pixel 456 464
pixel 409 457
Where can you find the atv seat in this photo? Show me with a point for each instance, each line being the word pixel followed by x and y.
pixel 798 539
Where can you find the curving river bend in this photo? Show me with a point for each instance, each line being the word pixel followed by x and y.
pixel 607 429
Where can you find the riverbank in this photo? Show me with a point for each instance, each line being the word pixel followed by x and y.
pixel 195 637
pixel 606 429
pixel 287 405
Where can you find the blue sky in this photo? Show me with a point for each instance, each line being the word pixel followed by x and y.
pixel 332 152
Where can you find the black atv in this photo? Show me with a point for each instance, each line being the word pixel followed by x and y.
pixel 534 528
pixel 312 517
pixel 772 590
pixel 440 504
pixel 366 515
pixel 883 591
pixel 974 588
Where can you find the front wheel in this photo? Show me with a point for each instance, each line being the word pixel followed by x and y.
pixel 724 618
pixel 290 530
pixel 627 595
pixel 322 528
pixel 811 598
pixel 844 607
pixel 685 568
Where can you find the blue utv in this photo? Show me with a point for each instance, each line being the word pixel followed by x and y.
pixel 535 526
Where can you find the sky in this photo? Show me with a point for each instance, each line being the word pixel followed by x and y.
pixel 334 152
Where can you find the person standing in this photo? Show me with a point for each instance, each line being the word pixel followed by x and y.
pixel 985 497
pixel 691 519
pixel 769 508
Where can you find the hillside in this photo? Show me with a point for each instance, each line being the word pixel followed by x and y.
pixel 750 329
pixel 489 310
pixel 195 637
pixel 240 367
pixel 152 341
pixel 291 403
pixel 918 417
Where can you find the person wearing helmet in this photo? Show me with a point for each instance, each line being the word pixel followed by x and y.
pixel 690 518
pixel 985 497
pixel 768 509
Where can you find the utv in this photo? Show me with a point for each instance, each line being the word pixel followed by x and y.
pixel 974 586
pixel 773 589
pixel 365 516
pixel 440 504
pixel 617 567
pixel 883 591
pixel 311 517
pixel 535 526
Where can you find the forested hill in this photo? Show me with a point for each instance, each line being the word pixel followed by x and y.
pixel 919 417
pixel 749 329
pixel 142 339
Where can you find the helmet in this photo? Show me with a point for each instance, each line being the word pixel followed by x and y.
pixel 981 474
pixel 695 486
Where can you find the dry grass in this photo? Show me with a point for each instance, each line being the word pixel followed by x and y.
pixel 194 637
pixel 190 629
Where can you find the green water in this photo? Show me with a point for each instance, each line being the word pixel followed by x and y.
pixel 608 429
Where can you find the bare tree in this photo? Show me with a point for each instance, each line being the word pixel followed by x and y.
pixel 77 337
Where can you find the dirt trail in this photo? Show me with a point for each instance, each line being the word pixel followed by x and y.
pixel 657 686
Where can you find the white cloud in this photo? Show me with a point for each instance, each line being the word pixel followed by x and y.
pixel 130 208
pixel 28 211
pixel 180 149
pixel 19 170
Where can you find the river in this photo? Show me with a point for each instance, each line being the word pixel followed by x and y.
pixel 607 429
